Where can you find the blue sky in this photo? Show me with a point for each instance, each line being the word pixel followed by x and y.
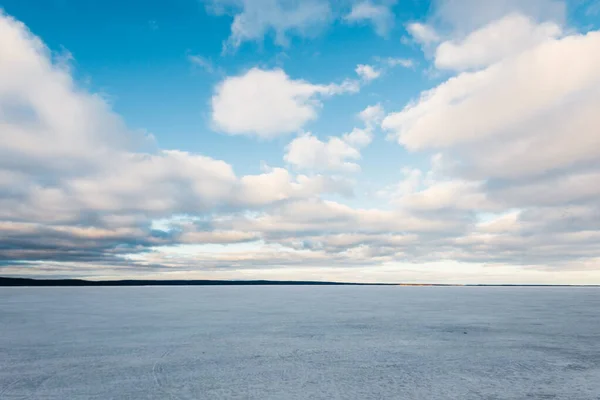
pixel 357 140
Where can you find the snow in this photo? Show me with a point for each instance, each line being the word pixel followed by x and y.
pixel 299 342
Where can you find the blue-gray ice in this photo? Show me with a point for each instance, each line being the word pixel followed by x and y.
pixel 299 343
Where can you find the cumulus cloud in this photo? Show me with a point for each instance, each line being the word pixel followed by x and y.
pixel 422 33
pixel 372 115
pixel 379 15
pixel 308 152
pixel 529 143
pixel 337 153
pixel 367 72
pixel 455 195
pixel 278 185
pixel 525 116
pixel 505 37
pixel 268 103
pixel 321 217
pixel 358 137
pixel 469 34
pixel 433 192
pixel 517 135
pixel 72 173
pixel 512 187
pixel 46 121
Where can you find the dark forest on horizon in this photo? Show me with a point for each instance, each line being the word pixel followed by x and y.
pixel 17 281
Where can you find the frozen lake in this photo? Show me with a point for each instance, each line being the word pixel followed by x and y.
pixel 299 342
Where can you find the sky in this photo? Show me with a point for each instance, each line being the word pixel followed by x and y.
pixel 443 141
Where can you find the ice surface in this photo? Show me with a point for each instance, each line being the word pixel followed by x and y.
pixel 300 342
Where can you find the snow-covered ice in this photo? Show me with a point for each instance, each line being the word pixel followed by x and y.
pixel 300 342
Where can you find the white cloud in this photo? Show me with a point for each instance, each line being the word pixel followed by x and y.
pixel 429 191
pixel 501 223
pixel 279 185
pixel 367 72
pixel 337 153
pixel 404 62
pixel 154 183
pixel 358 137
pixel 411 182
pixel 473 33
pixel 453 195
pixel 253 19
pixel 347 86
pixel 422 33
pixel 45 120
pixel 527 115
pixel 268 103
pixel 308 152
pixel 328 217
pixel 494 42
pixel 372 115
pixel 379 15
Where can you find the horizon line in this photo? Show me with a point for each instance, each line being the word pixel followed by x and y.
pixel 8 281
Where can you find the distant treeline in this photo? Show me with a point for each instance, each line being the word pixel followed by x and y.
pixel 81 282
pixel 132 282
